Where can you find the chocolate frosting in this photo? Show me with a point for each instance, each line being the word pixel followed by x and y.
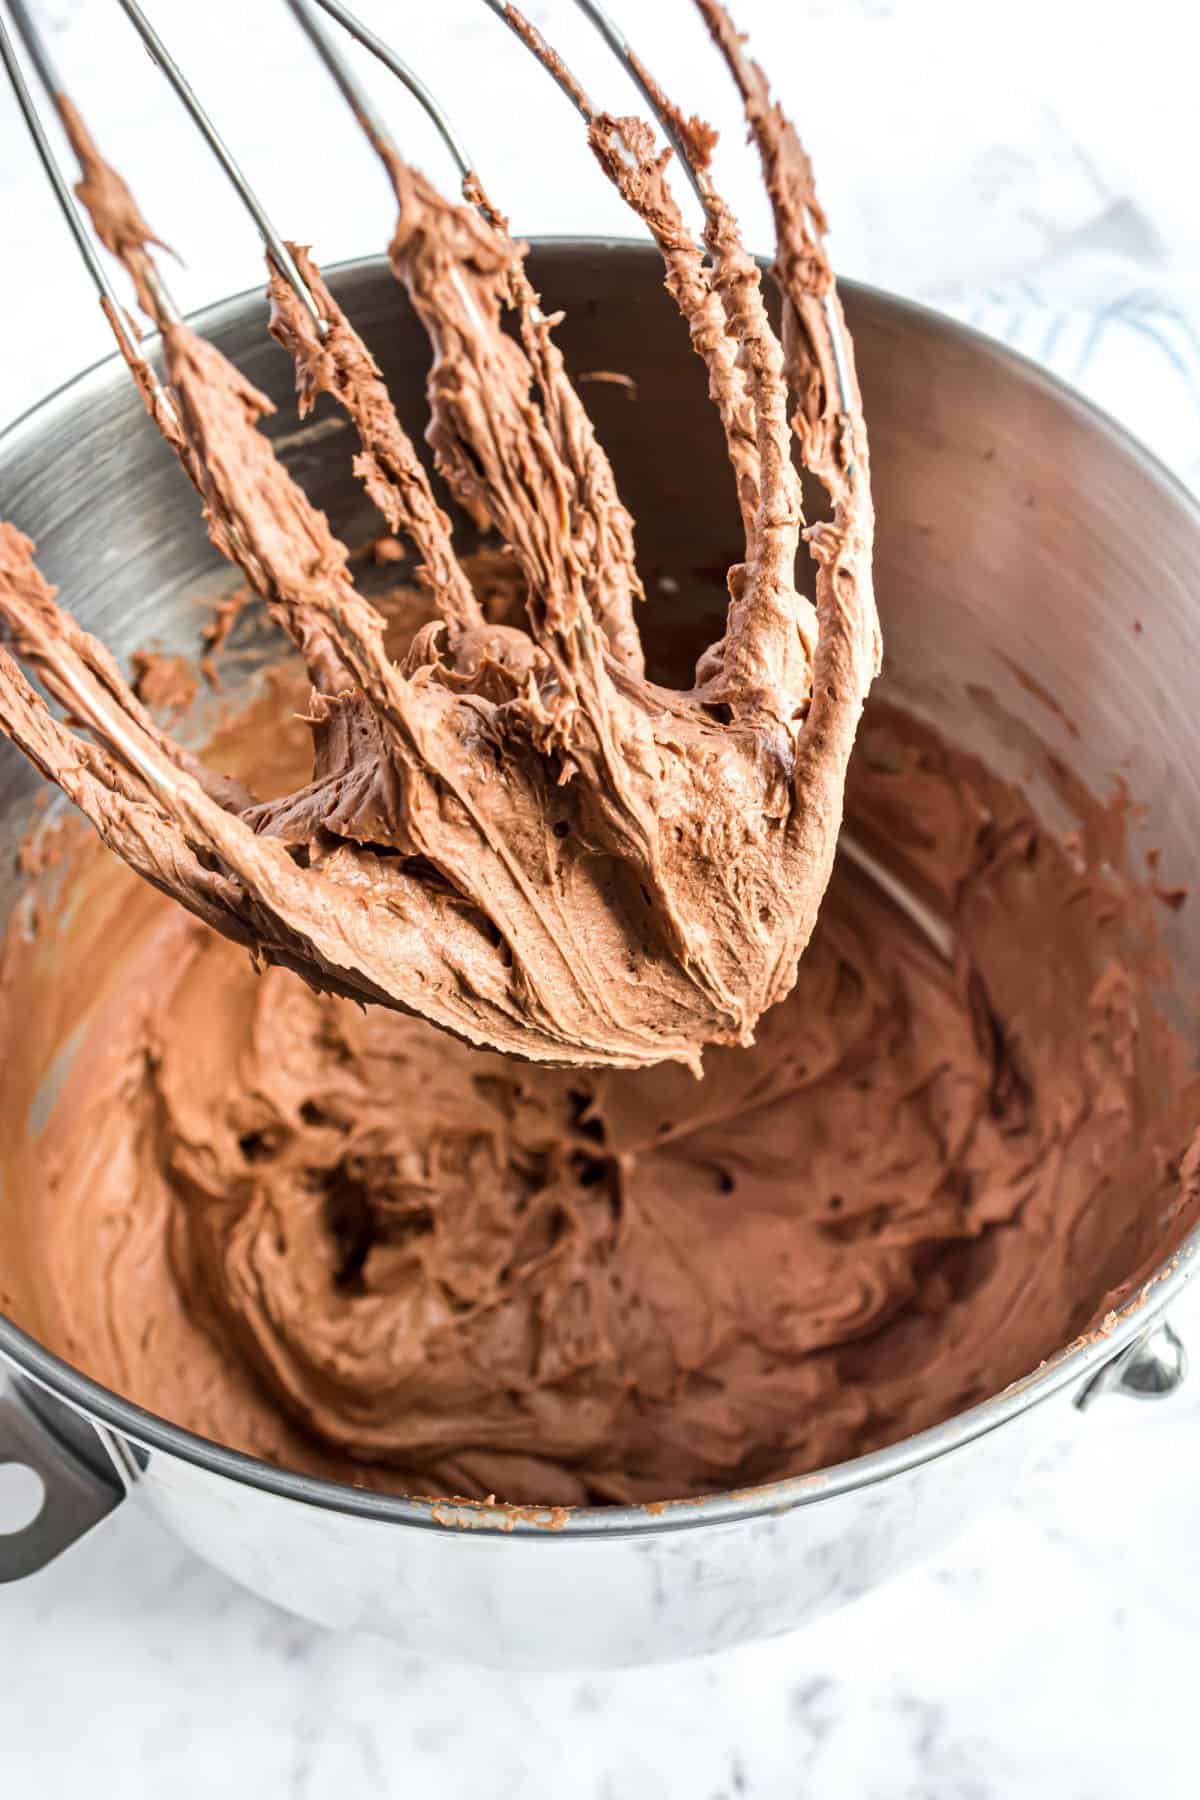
pixel 350 1242
pixel 344 1241
pixel 512 833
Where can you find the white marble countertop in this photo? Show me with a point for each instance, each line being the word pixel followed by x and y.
pixel 1049 1653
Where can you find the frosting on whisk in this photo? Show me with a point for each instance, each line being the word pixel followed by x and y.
pixel 514 833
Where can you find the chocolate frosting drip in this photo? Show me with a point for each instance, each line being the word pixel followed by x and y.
pixel 513 833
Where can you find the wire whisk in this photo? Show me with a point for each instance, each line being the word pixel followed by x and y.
pixel 410 873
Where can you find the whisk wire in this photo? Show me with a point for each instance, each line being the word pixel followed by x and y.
pixel 348 85
pixel 621 49
pixel 384 53
pixel 279 253
pixel 553 65
pixel 41 143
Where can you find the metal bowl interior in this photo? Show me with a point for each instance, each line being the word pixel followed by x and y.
pixel 1017 527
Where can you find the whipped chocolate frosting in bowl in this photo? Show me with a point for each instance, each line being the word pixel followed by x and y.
pixel 342 1240
pixel 416 1278
pixel 958 1247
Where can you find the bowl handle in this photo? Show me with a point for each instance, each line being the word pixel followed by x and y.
pixel 74 1496
pixel 1153 1367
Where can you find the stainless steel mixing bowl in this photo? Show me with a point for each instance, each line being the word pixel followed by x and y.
pixel 1016 525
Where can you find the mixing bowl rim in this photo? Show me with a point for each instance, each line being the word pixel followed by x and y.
pixel 1074 1365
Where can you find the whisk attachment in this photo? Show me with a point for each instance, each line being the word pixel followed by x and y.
pixel 511 831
